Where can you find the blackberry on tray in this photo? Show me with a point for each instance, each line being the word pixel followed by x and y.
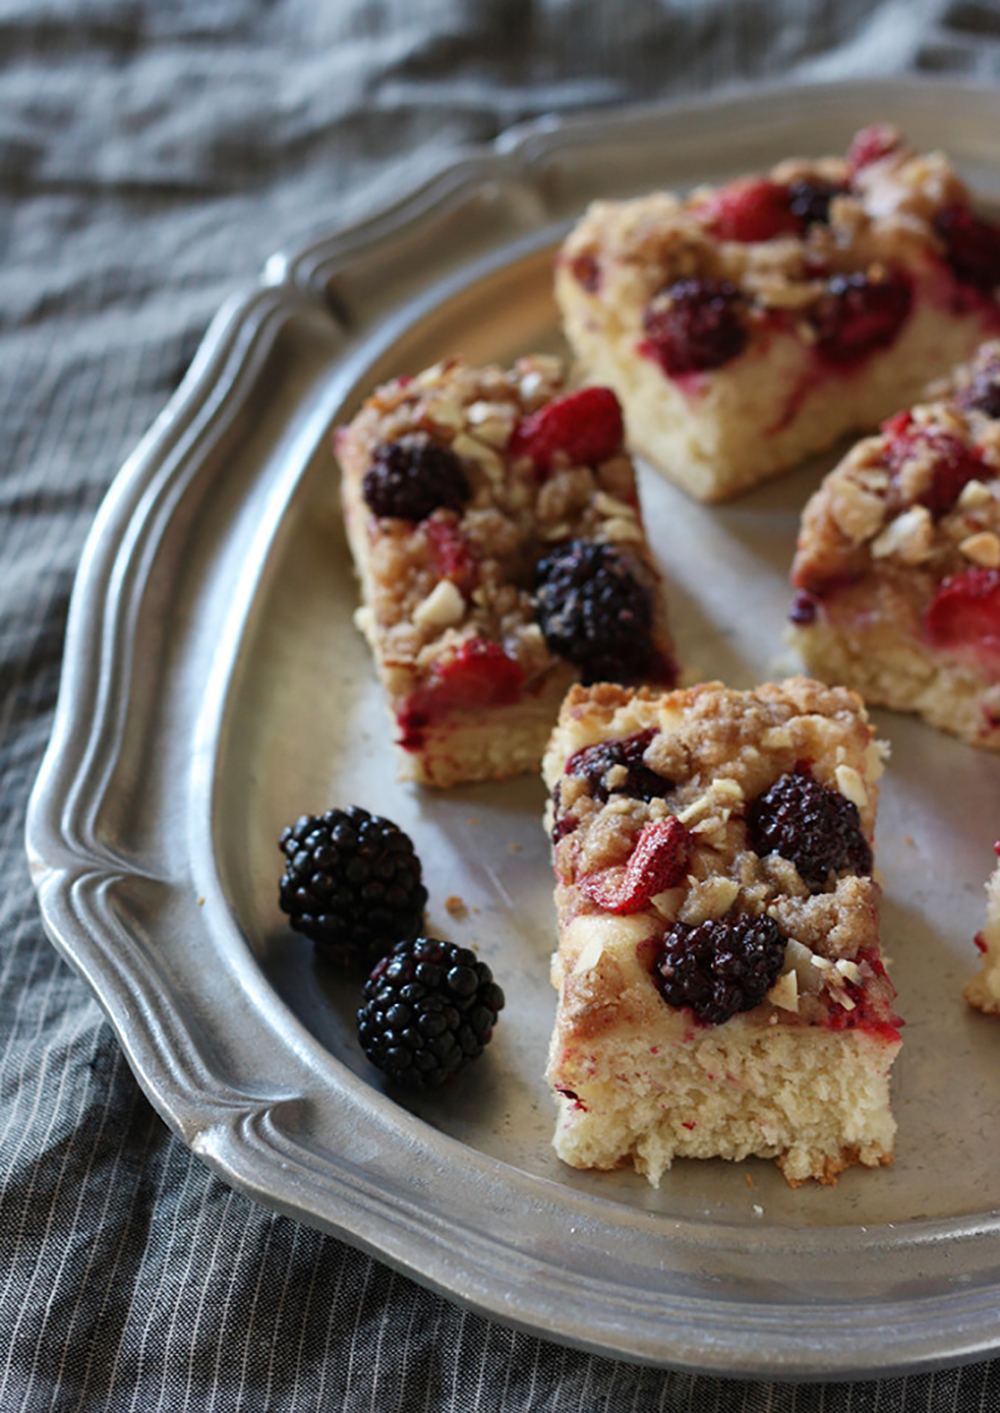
pixel 427 1011
pixel 352 883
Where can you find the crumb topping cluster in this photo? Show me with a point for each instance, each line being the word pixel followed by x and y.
pixel 463 574
pixel 710 754
pixel 828 249
pixel 916 504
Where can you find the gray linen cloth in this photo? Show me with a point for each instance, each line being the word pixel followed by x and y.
pixel 151 156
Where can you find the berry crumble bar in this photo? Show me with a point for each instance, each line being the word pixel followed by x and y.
pixel 983 991
pixel 753 324
pixel 898 561
pixel 721 992
pixel 495 526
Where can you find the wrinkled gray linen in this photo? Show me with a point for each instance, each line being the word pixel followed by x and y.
pixel 151 157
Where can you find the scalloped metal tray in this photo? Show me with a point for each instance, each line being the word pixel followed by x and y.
pixel 214 688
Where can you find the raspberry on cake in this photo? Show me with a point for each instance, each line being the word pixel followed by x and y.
pixel 898 561
pixel 721 990
pixel 983 991
pixel 751 325
pixel 495 526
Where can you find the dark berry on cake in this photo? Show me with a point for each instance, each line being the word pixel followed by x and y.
pixel 352 883
pixel 413 476
pixel 585 427
pixel 857 315
pixel 720 967
pixel 428 1009
pixel 983 392
pixel 594 612
pixel 815 828
pixel 695 325
pixel 809 200
pixel 618 768
pixel 972 247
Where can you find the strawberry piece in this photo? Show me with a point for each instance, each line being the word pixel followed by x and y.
pixel 955 464
pixel 479 674
pixel 585 425
pixel 658 861
pixel 450 554
pixel 871 144
pixel 750 210
pixel 965 613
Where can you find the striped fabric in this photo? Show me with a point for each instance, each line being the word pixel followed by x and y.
pixel 151 156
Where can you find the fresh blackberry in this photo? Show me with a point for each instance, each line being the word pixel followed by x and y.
pixel 594 612
pixel 640 783
pixel 816 829
pixel 809 200
pixel 411 477
pixel 352 883
pixel 427 1010
pixel 694 325
pixel 721 967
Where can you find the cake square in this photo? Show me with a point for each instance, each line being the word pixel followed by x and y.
pixel 983 991
pixel 495 526
pixel 750 325
pixel 898 561
pixel 721 987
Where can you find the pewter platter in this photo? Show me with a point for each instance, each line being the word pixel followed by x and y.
pixel 214 688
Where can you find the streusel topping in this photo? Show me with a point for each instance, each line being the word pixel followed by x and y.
pixel 464 574
pixel 714 753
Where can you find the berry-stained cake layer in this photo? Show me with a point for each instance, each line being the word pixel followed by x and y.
pixel 721 990
pixel 898 561
pixel 753 324
pixel 983 991
pixel 495 526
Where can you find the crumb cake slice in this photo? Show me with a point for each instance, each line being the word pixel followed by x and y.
pixel 898 561
pixel 983 991
pixel 721 991
pixel 753 324
pixel 495 526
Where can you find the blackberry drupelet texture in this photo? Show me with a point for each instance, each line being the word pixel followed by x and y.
pixel 413 476
pixel 809 200
pixel 816 829
pixel 695 325
pixel 428 1010
pixel 594 612
pixel 858 315
pixel 718 968
pixel 352 883
pixel 594 763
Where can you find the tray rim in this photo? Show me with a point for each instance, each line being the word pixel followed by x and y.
pixel 234 1129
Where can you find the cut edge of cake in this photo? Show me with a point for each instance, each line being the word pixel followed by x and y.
pixel 983 991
